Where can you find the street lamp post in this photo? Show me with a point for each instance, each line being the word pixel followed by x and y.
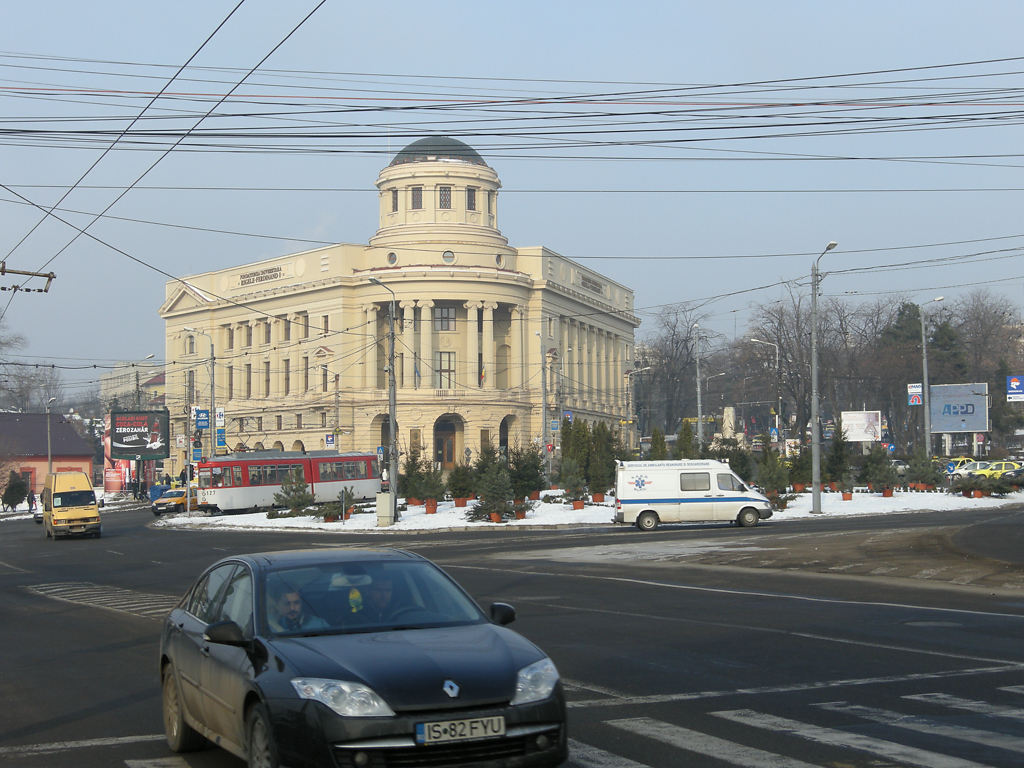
pixel 544 400
pixel 392 406
pixel 815 426
pixel 629 403
pixel 213 411
pixel 924 382
pixel 700 410
pixel 778 384
pixel 49 450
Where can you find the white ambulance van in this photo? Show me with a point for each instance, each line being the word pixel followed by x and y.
pixel 689 490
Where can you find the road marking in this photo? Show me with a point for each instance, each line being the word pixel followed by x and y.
pixel 158 762
pixel 586 756
pixel 14 568
pixel 704 744
pixel 149 605
pixel 970 705
pixel 576 685
pixel 66 746
pixel 925 725
pixel 665 698
pixel 887 749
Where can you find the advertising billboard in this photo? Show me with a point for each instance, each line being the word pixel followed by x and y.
pixel 139 435
pixel 862 426
pixel 959 407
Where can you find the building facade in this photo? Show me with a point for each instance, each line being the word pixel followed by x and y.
pixel 295 348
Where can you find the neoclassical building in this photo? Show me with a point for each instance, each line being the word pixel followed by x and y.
pixel 298 345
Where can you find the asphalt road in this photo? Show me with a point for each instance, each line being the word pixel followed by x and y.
pixel 890 641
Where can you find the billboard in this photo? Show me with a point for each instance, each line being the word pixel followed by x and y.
pixel 862 426
pixel 959 407
pixel 139 435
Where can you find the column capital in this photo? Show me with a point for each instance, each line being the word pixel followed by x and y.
pixel 491 305
pixel 475 304
pixel 407 303
pixel 426 303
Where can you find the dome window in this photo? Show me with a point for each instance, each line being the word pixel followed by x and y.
pixel 499 260
pixel 417 198
pixel 444 197
pixel 448 257
pixel 470 198
pixel 392 259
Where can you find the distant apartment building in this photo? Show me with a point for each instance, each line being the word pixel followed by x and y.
pixel 493 343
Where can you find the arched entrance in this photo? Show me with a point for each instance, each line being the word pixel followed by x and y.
pixel 298 446
pixel 507 426
pixel 278 445
pixel 448 439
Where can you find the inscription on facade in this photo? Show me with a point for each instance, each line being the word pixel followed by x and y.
pixel 265 275
pixel 592 285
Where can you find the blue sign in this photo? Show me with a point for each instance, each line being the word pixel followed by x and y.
pixel 1014 389
pixel 222 441
pixel 202 418
pixel 380 453
pixel 567 415
pixel 329 439
pixel 959 407
pixel 197 454
pixel 554 425
pixel 774 435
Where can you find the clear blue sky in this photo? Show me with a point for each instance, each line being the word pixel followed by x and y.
pixel 734 140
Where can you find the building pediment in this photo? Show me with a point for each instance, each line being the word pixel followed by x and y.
pixel 184 299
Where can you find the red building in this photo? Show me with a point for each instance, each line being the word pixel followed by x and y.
pixel 23 447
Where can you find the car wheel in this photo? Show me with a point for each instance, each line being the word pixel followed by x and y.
pixel 260 748
pixel 748 517
pixel 181 737
pixel 647 521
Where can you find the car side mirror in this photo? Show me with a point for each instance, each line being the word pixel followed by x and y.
pixel 225 633
pixel 100 502
pixel 502 613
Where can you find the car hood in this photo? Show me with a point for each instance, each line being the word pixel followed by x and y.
pixel 410 668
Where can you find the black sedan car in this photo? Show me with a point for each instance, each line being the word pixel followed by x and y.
pixel 351 658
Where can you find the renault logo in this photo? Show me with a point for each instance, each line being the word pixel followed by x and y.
pixel 450 688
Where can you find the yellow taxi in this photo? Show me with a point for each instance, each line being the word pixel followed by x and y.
pixel 172 501
pixel 996 469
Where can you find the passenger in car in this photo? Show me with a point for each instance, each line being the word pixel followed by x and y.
pixel 287 611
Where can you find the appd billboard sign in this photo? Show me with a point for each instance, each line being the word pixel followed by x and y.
pixel 959 407
pixel 139 435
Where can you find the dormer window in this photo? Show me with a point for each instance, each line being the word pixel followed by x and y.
pixel 444 197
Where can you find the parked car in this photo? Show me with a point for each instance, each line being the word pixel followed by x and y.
pixel 952 465
pixel 966 469
pixel 900 466
pixel 352 657
pixel 996 469
pixel 172 501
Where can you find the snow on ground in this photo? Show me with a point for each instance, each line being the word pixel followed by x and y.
pixel 552 513
pixel 546 513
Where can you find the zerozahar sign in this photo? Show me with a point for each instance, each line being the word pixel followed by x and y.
pixel 139 435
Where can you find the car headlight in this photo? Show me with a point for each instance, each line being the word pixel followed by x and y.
pixel 535 682
pixel 345 698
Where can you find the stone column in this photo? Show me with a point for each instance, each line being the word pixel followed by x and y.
pixel 370 349
pixel 406 344
pixel 472 378
pixel 487 339
pixel 564 368
pixel 517 361
pixel 427 345
pixel 578 358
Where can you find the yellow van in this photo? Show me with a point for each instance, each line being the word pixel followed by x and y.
pixel 69 506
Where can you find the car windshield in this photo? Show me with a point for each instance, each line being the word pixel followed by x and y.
pixel 74 499
pixel 370 596
pixel 172 493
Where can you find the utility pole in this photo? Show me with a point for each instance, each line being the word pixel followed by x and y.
pixel 392 406
pixel 544 397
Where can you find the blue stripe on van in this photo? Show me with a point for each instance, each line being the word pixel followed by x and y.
pixel 702 499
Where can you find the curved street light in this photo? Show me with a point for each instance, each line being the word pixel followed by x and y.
pixel 392 406
pixel 49 451
pixel 815 426
pixel 925 399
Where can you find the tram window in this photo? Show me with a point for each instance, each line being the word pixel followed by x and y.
pixel 218 478
pixel 237 472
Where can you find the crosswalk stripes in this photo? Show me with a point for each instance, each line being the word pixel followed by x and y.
pixel 586 756
pixel 702 743
pixel 888 749
pixel 146 604
pixel 969 705
pixel 929 726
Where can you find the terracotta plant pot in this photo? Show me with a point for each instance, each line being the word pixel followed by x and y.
pixel 349 512
pixel 977 493
pixel 798 487
pixel 887 492
pixel 598 497
pixel 847 495
pixel 554 487
pixel 412 501
pixel 520 514
pixel 430 506
pixel 460 502
pixel 577 504
pixel 330 518
pixel 833 485
pixel 495 517
pixel 534 495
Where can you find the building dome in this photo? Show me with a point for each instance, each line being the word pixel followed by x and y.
pixel 434 148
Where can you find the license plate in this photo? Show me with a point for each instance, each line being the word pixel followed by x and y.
pixel 460 730
pixel 77 528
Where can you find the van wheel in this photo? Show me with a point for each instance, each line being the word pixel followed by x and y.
pixel 748 517
pixel 647 521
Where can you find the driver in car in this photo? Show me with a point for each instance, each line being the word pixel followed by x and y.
pixel 288 612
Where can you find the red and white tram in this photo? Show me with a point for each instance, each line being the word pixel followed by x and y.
pixel 241 482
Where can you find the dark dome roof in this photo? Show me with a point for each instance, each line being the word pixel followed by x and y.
pixel 437 148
